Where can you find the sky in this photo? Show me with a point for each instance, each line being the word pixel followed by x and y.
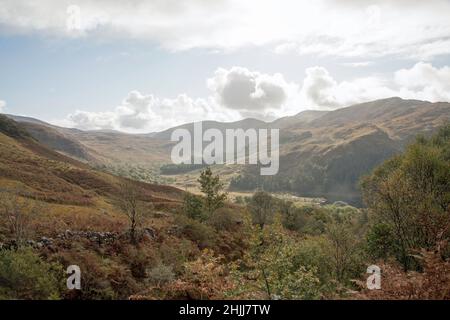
pixel 144 66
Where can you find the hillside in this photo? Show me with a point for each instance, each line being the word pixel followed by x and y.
pixel 327 156
pixel 55 178
pixel 323 153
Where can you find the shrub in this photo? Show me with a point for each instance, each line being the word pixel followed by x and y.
pixel 224 219
pixel 196 231
pixel 161 274
pixel 24 275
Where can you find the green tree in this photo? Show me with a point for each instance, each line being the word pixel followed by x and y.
pixel 410 194
pixel 262 208
pixel 212 187
pixel 193 206
pixel 270 270
pixel 346 251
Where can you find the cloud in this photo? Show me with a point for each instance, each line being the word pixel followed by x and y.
pixel 244 90
pixel 320 89
pixel 237 93
pixel 348 28
pixel 2 105
pixel 147 113
pixel 422 81
pixel 358 64
pixel 425 82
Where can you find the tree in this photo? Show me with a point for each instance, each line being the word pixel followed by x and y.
pixel 410 195
pixel 130 205
pixel 212 187
pixel 17 213
pixel 270 270
pixel 193 206
pixel 344 250
pixel 262 208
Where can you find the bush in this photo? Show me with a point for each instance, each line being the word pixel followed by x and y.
pixel 201 234
pixel 161 274
pixel 24 275
pixel 224 219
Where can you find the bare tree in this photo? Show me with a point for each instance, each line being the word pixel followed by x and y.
pixel 17 212
pixel 130 205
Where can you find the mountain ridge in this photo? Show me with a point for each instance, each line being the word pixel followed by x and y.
pixel 314 145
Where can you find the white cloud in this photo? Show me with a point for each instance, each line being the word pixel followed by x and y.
pixel 245 90
pixel 425 82
pixel 358 64
pixel 238 92
pixel 411 28
pixel 320 89
pixel 147 113
pixel 422 81
pixel 2 105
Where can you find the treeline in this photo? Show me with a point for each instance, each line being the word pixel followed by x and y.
pixel 172 169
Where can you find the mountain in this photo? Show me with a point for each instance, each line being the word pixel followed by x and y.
pixel 322 153
pixel 328 155
pixel 61 180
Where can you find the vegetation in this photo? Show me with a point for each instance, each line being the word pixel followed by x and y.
pixel 25 275
pixel 129 202
pixel 212 188
pixel 186 246
pixel 170 169
pixel 409 196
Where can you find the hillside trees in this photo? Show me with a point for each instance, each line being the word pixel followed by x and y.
pixel 409 197
pixel 270 269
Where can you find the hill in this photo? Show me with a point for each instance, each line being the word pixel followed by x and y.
pixel 56 178
pixel 323 153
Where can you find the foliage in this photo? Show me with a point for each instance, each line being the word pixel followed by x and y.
pixel 270 270
pixel 161 274
pixel 212 187
pixel 171 169
pixel 25 275
pixel 225 219
pixel 17 213
pixel 433 283
pixel 346 251
pixel 203 235
pixel 193 207
pixel 262 208
pixel 411 195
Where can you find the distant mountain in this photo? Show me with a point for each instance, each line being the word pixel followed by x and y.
pixel 328 155
pixel 323 153
pixel 55 178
